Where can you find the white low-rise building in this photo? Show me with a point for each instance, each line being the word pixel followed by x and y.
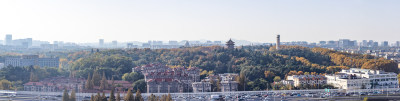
pixel 203 86
pixel 299 80
pixel 355 78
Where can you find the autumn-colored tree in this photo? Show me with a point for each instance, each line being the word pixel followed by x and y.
pixel 97 97
pixel 104 84
pixel 152 97
pixel 242 81
pixel 33 77
pixel 73 96
pixel 118 97
pixel 300 73
pixel 5 85
pixel 65 96
pixel 277 79
pixel 103 97
pixel 269 75
pixel 88 84
pixel 169 98
pixel 138 96
pixel 129 96
pixel 398 78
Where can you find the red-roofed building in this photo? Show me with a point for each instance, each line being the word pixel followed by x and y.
pixel 40 87
pixel 162 79
pixel 55 84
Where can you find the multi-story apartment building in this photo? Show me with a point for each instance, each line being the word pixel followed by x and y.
pixel 162 79
pixel 164 83
pixel 299 80
pixel 363 79
pixel 228 82
pixel 229 86
pixel 55 84
pixel 203 86
pixel 31 60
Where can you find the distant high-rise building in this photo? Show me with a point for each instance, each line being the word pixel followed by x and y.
pixel 278 42
pixel 397 43
pixel 115 43
pixel 101 42
pixel 364 43
pixel 385 44
pixel 217 42
pixel 55 42
pixel 230 44
pixel 322 42
pixel 31 60
pixel 346 43
pixel 187 44
pixel 370 43
pixel 375 44
pixel 130 45
pixel 173 42
pixel 8 40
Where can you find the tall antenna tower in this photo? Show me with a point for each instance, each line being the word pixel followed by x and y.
pixel 278 41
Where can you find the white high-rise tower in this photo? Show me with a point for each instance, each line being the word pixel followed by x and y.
pixel 278 42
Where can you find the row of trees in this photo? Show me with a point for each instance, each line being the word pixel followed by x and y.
pixel 15 77
pixel 128 97
pixel 67 97
pixel 96 81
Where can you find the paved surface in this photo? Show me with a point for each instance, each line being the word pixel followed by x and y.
pixel 278 95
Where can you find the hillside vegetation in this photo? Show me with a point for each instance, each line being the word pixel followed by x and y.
pixel 259 64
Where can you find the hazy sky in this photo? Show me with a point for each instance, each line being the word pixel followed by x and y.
pixel 253 20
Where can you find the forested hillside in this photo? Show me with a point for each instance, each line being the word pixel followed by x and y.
pixel 258 65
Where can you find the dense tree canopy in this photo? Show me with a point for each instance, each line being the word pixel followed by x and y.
pixel 259 64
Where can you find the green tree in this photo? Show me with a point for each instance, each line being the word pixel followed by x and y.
pixel 132 76
pixel 88 84
pixel 96 78
pixel 103 97
pixel 104 84
pixel 33 77
pixel 112 96
pixel 242 81
pixel 139 85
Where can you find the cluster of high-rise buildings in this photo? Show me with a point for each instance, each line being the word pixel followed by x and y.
pixel 28 45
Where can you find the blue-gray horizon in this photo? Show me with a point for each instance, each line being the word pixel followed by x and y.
pixel 256 20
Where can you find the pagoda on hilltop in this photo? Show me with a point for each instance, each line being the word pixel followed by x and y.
pixel 230 44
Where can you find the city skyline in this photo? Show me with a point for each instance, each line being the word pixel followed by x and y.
pixel 256 21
